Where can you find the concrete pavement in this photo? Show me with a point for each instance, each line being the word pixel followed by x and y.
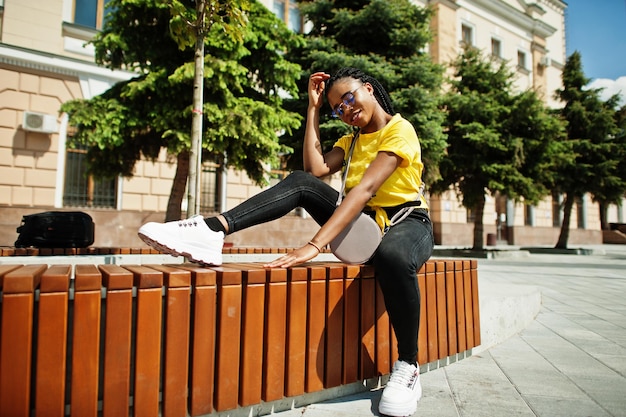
pixel 569 360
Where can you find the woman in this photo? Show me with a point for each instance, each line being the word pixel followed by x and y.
pixel 384 176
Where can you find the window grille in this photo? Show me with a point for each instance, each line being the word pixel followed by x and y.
pixel 557 212
pixel 209 188
pixel 470 216
pixel 83 190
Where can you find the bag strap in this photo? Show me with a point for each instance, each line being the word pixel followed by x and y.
pixel 345 172
pixel 400 215
pixel 404 212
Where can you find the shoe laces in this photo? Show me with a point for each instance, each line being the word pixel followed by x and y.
pixel 190 222
pixel 403 375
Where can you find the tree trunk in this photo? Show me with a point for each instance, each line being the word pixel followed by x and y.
pixel 479 209
pixel 175 201
pixel 567 214
pixel 195 157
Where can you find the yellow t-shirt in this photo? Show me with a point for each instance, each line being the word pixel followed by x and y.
pixel 400 138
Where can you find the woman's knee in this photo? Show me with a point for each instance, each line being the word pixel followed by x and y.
pixel 298 177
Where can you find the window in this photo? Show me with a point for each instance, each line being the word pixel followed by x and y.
pixel 209 188
pixel 470 216
pixel 90 13
pixel 1 13
pixel 581 213
pixel 288 12
pixel 82 190
pixel 279 9
pixel 529 215
pixel 557 213
pixel 295 20
pixel 496 48
pixel 467 34
pixel 521 60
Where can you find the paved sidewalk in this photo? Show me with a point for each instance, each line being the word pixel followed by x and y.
pixel 569 361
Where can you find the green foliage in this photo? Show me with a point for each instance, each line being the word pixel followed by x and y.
pixel 245 73
pixel 386 39
pixel 595 137
pixel 499 141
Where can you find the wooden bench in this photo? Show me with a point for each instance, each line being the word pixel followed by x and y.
pixel 187 340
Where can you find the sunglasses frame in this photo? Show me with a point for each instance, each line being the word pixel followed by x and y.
pixel 348 99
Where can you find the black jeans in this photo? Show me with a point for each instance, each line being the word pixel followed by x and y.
pixel 403 250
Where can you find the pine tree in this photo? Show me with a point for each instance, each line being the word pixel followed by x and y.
pixel 592 135
pixel 499 140
pixel 386 39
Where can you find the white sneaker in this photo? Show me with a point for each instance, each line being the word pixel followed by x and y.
pixel 402 392
pixel 190 238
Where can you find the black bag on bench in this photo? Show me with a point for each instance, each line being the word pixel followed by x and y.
pixel 56 229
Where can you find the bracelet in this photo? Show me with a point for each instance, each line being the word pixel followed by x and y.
pixel 314 245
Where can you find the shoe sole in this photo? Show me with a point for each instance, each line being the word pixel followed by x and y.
pixel 171 251
pixel 401 411
pixel 393 414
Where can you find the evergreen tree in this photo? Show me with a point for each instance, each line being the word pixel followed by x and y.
pixel 592 136
pixel 245 74
pixel 386 39
pixel 612 189
pixel 499 140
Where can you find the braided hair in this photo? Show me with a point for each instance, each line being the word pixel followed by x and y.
pixel 382 96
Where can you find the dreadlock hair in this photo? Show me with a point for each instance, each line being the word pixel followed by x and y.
pixel 382 96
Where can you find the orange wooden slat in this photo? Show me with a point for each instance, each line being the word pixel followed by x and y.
pixel 453 347
pixel 368 324
pixel 430 299
pixel 117 340
pixel 316 352
pixel 86 341
pixel 422 338
pixel 5 269
pixel 297 306
pixel 382 334
pixel 475 301
pixel 334 325
pixel 469 308
pixel 16 334
pixel 275 335
pixel 148 327
pixel 252 334
pixel 229 338
pixel 351 334
pixel 177 283
pixel 202 361
pixel 52 341
pixel 442 319
pixel 460 306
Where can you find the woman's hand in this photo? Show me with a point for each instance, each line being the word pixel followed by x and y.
pixel 317 85
pixel 298 256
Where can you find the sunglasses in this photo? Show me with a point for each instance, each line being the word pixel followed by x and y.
pixel 347 100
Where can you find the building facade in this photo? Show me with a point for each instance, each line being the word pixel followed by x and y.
pixel 45 61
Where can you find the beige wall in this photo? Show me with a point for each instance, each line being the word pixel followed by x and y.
pixel 45 26
pixel 28 160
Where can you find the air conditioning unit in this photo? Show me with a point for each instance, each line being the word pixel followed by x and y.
pixel 39 122
pixel 545 61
